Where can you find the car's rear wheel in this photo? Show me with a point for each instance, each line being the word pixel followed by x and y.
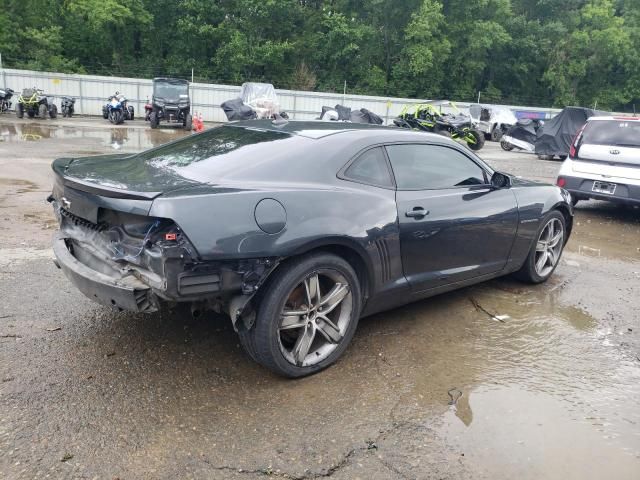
pixel 546 251
pixel 307 316
pixel 153 119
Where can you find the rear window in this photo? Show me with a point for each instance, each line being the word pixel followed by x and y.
pixel 620 133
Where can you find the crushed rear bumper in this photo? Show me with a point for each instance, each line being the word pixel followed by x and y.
pixel 117 290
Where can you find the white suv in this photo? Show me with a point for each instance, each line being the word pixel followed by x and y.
pixel 604 161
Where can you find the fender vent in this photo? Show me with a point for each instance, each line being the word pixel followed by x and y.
pixel 385 262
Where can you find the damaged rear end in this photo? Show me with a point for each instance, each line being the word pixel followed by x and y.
pixel 118 255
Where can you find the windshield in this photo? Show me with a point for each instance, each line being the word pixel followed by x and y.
pixel 620 133
pixel 173 91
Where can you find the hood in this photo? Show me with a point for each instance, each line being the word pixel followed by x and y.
pixel 124 173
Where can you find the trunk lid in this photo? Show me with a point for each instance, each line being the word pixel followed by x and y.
pixel 120 176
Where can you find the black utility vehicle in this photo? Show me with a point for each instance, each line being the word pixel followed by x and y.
pixel 170 102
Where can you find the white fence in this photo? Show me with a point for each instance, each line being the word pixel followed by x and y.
pixel 91 92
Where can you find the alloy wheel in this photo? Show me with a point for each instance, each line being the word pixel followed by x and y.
pixel 549 247
pixel 315 318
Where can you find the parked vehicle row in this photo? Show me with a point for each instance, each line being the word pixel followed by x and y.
pixel 170 103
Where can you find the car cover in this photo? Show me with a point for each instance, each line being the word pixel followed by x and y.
pixel 556 135
pixel 524 130
pixel 344 113
pixel 261 97
pixel 365 116
pixel 235 109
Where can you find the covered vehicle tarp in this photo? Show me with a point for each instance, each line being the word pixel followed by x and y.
pixel 261 97
pixel 555 137
pixel 365 116
pixel 235 109
pixel 524 130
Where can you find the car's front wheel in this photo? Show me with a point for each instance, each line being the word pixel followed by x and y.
pixel 306 317
pixel 545 253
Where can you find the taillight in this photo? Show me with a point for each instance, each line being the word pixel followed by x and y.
pixel 573 149
pixel 561 182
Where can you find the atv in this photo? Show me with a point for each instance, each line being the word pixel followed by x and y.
pixel 170 102
pixel 34 102
pixel 427 118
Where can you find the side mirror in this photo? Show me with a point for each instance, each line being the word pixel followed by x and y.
pixel 500 180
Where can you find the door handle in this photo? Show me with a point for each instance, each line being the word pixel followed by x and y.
pixel 417 212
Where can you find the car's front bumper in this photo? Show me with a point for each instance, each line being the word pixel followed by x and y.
pixel 115 290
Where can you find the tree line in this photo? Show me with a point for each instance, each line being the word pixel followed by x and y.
pixel 531 52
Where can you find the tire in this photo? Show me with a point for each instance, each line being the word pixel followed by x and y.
pixel 506 145
pixel 188 122
pixel 545 157
pixel 53 111
pixel 529 272
pixel 119 117
pixel 131 112
pixel 496 134
pixel 153 120
pixel 42 111
pixel 479 143
pixel 268 343
pixel 105 113
pixel 31 113
pixel 19 110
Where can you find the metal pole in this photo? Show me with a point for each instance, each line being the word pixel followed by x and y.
pixel 4 80
pixel 344 93
pixel 478 96
pixel 81 97
pixel 295 98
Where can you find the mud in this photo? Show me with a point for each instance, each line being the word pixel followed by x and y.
pixel 437 389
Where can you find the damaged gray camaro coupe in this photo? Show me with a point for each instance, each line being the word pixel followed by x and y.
pixel 298 229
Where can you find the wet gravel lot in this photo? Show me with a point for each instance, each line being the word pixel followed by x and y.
pixel 437 389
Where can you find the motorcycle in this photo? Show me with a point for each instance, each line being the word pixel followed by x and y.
pixel 426 118
pixel 5 97
pixel 117 110
pixel 33 101
pixel 522 135
pixel 67 106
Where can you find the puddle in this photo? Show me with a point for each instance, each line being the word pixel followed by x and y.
pixel 517 433
pixel 121 138
pixel 606 230
pixel 530 397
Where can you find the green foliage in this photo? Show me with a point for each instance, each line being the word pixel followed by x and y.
pixel 531 52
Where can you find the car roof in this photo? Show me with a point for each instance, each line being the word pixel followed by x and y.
pixel 614 118
pixel 316 129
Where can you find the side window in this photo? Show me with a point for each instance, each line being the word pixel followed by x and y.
pixel 370 167
pixel 429 167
